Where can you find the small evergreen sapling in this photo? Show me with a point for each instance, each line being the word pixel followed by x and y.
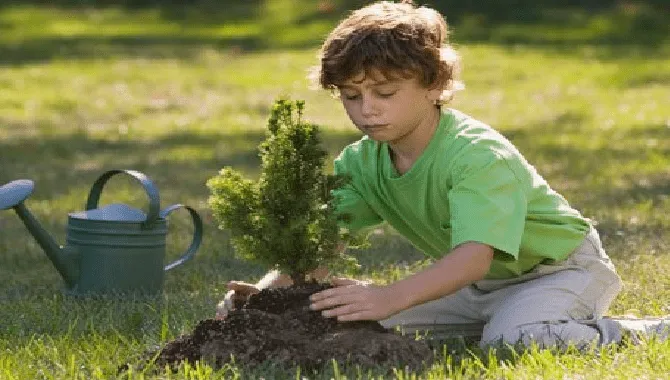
pixel 285 220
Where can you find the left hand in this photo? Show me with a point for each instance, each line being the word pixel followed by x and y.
pixel 353 300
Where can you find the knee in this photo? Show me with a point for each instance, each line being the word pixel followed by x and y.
pixel 543 335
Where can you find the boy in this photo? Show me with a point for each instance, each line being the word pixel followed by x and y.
pixel 511 254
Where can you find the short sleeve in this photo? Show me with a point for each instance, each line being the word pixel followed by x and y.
pixel 357 213
pixel 488 204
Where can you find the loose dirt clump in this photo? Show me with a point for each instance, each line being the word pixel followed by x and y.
pixel 277 325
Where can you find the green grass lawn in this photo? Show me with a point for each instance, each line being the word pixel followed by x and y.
pixel 178 95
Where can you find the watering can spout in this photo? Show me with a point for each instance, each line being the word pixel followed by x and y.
pixel 12 195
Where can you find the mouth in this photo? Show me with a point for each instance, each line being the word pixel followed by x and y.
pixel 374 127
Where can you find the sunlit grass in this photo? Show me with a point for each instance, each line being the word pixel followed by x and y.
pixel 94 89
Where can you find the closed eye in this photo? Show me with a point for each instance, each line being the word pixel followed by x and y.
pixel 386 94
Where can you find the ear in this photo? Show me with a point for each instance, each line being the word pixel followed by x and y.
pixel 434 94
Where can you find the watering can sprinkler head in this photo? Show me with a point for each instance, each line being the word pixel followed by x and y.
pixel 15 192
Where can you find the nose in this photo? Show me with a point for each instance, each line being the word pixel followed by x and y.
pixel 368 106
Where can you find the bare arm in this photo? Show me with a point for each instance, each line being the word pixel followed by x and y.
pixel 465 264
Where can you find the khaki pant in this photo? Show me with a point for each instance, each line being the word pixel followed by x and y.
pixel 552 305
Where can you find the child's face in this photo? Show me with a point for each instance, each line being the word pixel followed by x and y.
pixel 388 109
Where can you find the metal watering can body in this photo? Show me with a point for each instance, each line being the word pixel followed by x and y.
pixel 112 249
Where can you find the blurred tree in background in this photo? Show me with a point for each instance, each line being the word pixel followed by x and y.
pixel 256 25
pixel 646 19
pixel 495 9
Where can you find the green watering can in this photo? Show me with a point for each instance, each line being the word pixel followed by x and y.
pixel 112 249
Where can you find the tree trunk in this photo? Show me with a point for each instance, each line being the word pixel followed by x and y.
pixel 298 278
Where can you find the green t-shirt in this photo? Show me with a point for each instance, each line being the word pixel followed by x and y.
pixel 469 185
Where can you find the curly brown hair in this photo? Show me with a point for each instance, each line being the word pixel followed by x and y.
pixel 395 39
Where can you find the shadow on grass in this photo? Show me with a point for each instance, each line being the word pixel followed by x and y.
pixel 137 46
pixel 58 163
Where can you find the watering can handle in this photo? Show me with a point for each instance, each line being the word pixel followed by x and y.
pixel 197 234
pixel 152 192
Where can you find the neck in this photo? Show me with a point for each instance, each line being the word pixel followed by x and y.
pixel 407 149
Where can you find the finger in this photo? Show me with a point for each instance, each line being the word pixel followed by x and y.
pixel 224 306
pixel 326 303
pixel 318 306
pixel 235 285
pixel 342 311
pixel 334 301
pixel 325 294
pixel 335 293
pixel 358 316
pixel 226 300
pixel 220 316
pixel 320 295
pixel 243 287
pixel 221 307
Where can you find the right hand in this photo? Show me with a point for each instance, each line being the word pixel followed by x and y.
pixel 238 291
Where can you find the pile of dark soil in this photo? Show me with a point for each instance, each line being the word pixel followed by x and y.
pixel 277 325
